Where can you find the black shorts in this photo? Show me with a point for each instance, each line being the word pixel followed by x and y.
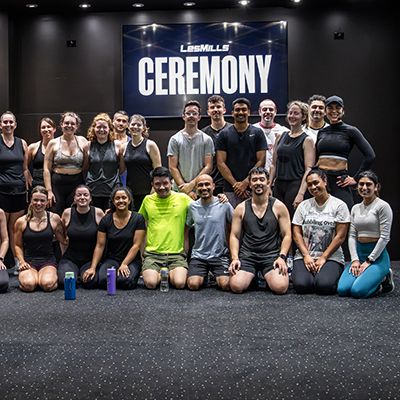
pixel 11 203
pixel 218 266
pixel 256 263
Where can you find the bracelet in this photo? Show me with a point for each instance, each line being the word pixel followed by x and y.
pixel 283 256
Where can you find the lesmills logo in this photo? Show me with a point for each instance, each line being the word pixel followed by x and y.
pixel 204 48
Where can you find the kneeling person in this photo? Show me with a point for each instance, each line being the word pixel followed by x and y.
pixel 261 225
pixel 211 220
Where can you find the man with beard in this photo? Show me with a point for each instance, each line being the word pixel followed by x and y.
pixel 211 220
pixel 240 147
pixel 316 115
pixel 190 151
pixel 267 111
pixel 216 110
pixel 260 238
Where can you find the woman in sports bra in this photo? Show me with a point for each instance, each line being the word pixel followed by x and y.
pixel 104 161
pixel 36 151
pixel 65 160
pixel 34 233
pixel 334 145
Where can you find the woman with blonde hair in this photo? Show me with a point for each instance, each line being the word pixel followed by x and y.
pixel 33 236
pixel 104 160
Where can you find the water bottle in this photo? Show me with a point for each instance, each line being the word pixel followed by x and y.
pixel 289 263
pixel 69 286
pixel 164 284
pixel 111 281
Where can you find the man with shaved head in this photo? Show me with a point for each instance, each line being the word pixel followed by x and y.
pixel 211 220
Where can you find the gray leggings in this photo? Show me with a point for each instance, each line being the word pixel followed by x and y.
pixel 4 280
pixel 66 265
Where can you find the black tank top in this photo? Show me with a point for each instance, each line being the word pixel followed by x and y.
pixel 261 236
pixel 82 235
pixel 138 165
pixel 290 157
pixel 38 245
pixel 37 167
pixel 103 173
pixel 12 180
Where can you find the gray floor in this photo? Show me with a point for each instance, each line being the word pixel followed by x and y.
pixel 205 345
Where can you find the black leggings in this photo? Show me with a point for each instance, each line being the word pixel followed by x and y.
pixel 122 283
pixel 66 265
pixel 324 282
pixel 63 187
pixel 4 280
pixel 345 193
pixel 286 192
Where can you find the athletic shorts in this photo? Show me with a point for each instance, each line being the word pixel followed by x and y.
pixel 255 264
pixel 218 266
pixel 11 203
pixel 39 263
pixel 156 261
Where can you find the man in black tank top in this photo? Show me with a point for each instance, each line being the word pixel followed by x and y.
pixel 261 230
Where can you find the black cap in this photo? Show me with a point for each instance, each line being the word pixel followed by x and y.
pixel 334 99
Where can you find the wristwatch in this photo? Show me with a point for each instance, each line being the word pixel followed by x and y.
pixel 370 260
pixel 283 256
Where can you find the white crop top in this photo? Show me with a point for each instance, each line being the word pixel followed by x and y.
pixel 373 221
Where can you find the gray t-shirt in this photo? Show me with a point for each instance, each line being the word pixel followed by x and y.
pixel 190 152
pixel 319 225
pixel 210 222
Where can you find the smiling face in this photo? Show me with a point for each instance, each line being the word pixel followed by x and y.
pixel 205 187
pixel 216 110
pixel 120 123
pixel 136 127
pixel 240 112
pixel 38 202
pixel 317 111
pixel 8 123
pixel 82 197
pixel 101 130
pixel 191 116
pixel 295 116
pixel 367 189
pixel 267 112
pixel 334 113
pixel 316 185
pixel 121 200
pixel 258 184
pixel 69 125
pixel 47 130
pixel 162 186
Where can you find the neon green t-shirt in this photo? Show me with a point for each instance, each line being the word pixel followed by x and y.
pixel 165 219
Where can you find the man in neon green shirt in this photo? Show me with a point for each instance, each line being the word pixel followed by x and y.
pixel 165 213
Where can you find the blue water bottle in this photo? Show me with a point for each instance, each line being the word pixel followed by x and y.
pixel 111 281
pixel 69 286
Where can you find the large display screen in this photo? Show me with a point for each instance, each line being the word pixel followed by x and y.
pixel 166 65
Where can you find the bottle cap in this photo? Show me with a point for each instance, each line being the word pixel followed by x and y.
pixel 69 275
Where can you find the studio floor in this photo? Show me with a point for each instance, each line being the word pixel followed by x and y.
pixel 209 344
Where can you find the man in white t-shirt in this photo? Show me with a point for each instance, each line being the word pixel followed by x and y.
pixel 190 151
pixel 316 115
pixel 267 111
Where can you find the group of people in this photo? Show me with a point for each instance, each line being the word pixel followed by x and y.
pixel 286 193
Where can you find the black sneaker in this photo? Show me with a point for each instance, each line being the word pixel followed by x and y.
pixel 388 283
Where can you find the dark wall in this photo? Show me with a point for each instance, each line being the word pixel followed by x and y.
pixel 47 77
pixel 4 94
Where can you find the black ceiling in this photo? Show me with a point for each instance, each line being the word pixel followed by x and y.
pixel 62 6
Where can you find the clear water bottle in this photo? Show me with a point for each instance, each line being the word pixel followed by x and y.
pixel 289 263
pixel 69 286
pixel 164 284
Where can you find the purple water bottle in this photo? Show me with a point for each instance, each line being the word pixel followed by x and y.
pixel 111 281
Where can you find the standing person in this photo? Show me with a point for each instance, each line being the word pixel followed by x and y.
pixel 293 158
pixel 260 238
pixel 211 220
pixel 240 147
pixel 316 116
pixel 216 110
pixel 33 236
pixel 190 151
pixel 104 161
pixel 267 111
pixel 120 236
pixel 165 213
pixel 120 124
pixel 4 242
pixel 14 175
pixel 81 221
pixel 139 157
pixel 371 221
pixel 65 160
pixel 334 145
pixel 320 226
pixel 37 150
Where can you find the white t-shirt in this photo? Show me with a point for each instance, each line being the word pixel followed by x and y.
pixel 270 136
pixel 319 225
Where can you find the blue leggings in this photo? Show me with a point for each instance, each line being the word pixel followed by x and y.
pixel 368 282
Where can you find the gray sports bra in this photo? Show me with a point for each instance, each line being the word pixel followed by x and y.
pixel 66 161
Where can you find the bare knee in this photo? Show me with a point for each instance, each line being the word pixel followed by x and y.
pixel 194 282
pixel 48 285
pixel 27 285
